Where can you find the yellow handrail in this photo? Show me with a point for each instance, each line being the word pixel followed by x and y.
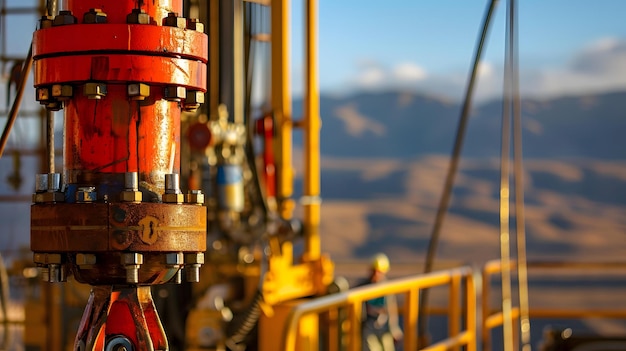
pixel 464 308
pixel 493 318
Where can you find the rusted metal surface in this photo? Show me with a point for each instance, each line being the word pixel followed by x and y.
pixel 102 227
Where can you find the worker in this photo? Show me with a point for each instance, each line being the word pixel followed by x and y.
pixel 380 324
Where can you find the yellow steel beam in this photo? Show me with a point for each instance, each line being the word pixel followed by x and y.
pixel 214 59
pixel 311 203
pixel 281 102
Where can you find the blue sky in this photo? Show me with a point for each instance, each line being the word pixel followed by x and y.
pixel 566 46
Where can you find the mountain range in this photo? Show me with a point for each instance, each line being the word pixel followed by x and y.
pixel 385 156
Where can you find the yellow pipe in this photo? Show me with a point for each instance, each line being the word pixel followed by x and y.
pixel 281 102
pixel 311 126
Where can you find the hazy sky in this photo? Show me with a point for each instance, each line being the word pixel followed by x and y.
pixel 566 46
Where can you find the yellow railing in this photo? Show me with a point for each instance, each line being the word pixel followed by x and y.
pixel 461 311
pixel 494 318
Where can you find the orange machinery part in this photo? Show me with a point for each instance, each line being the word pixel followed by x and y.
pixel 117 134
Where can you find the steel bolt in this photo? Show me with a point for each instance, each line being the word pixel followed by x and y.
pixel 132 261
pixel 41 182
pixel 138 16
pixel 172 183
pixel 62 92
pixel 94 16
pixel 195 24
pixel 95 91
pixel 174 258
pixel 172 189
pixel 85 260
pixel 138 91
pixel 174 93
pixel 131 181
pixel 54 181
pixel 56 273
pixel 63 18
pixel 131 192
pixel 193 262
pixel 193 100
pixel 195 197
pixel 172 20
pixel 43 95
pixel 45 22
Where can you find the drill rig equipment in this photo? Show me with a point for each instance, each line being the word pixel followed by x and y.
pixel 122 72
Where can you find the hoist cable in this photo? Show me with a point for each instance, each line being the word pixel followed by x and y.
pixel 454 163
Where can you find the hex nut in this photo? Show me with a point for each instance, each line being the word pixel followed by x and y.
pixel 195 197
pixel 131 196
pixel 138 91
pixel 63 18
pixel 94 16
pixel 194 258
pixel 54 105
pixel 138 16
pixel 195 24
pixel 193 100
pixel 43 94
pixel 95 91
pixel 172 20
pixel 46 22
pixel 174 93
pixel 47 258
pixel 85 261
pixel 174 258
pixel 132 258
pixel 173 198
pixel 62 91
pixel 55 196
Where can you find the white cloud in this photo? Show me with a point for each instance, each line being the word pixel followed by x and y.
pixel 372 74
pixel 408 72
pixel 596 67
pixel 599 66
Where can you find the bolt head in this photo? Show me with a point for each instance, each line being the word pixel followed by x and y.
pixel 172 20
pixel 45 22
pixel 174 93
pixel 195 197
pixel 138 91
pixel 84 259
pixel 193 100
pixel 173 198
pixel 63 18
pixel 138 16
pixel 131 196
pixel 43 94
pixel 95 90
pixel 132 258
pixel 94 16
pixel 62 92
pixel 195 24
pixel 174 258
pixel 194 258
pixel 55 196
pixel 47 258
